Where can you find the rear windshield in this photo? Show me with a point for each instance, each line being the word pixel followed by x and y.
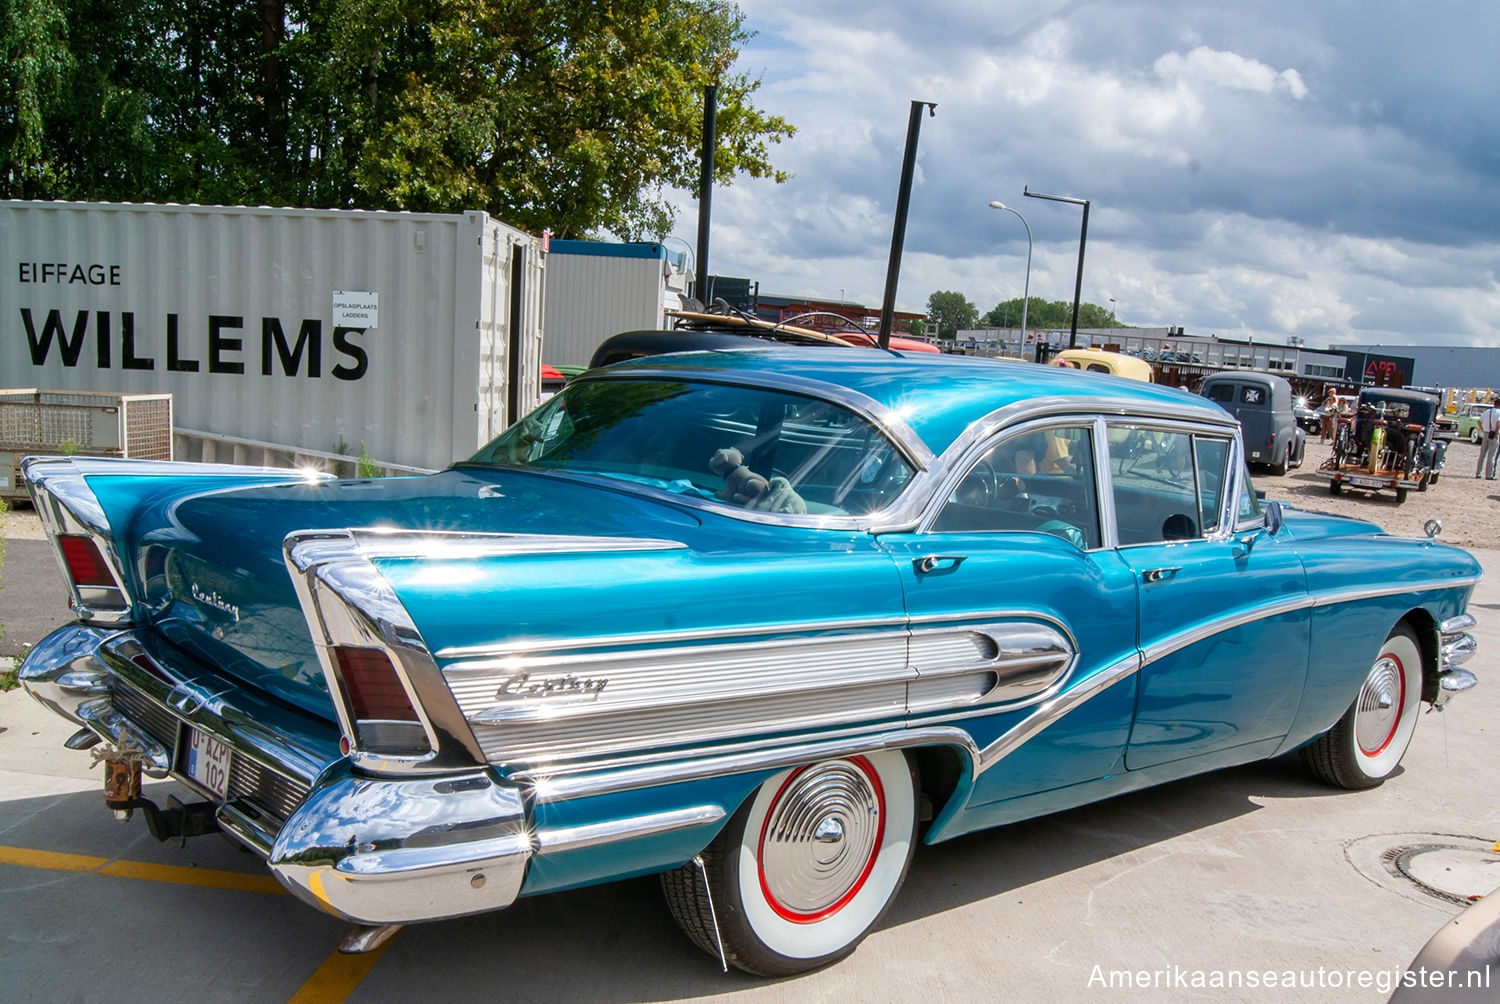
pixel 1253 395
pixel 743 446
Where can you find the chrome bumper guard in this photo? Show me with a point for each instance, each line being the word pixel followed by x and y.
pixel 1456 646
pixel 389 851
pixel 370 850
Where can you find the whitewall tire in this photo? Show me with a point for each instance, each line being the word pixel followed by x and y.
pixel 805 868
pixel 1366 745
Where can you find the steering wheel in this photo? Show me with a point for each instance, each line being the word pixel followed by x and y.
pixel 980 487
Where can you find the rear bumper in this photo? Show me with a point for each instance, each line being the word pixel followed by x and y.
pixel 373 850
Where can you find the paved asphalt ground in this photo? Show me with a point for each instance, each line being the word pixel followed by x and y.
pixel 1226 877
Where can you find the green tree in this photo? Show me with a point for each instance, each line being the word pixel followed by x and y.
pixel 34 60
pixel 1051 315
pixel 545 113
pixel 950 310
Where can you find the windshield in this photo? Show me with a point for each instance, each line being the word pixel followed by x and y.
pixel 744 446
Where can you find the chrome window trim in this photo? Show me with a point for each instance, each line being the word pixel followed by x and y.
pixel 1228 526
pixel 959 466
pixel 891 426
pixel 885 419
pixel 917 507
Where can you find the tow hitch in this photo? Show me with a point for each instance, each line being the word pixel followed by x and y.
pixel 122 793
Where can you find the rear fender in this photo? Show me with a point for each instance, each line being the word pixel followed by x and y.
pixel 72 498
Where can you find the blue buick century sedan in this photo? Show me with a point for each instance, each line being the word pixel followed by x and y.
pixel 757 621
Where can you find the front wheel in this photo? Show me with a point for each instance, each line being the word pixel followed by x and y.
pixel 805 868
pixel 1366 745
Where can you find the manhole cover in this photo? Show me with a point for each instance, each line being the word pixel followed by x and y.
pixel 1452 868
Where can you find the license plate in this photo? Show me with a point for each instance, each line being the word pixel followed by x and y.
pixel 208 762
pixel 1366 483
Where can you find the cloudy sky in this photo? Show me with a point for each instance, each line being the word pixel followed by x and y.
pixel 1326 169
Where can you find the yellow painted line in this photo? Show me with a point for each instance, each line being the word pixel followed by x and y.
pixel 177 874
pixel 332 983
pixel 338 977
pixel 50 860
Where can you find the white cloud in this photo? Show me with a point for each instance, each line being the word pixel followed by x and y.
pixel 1257 170
pixel 1229 70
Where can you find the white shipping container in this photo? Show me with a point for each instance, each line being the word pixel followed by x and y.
pixel 597 289
pixel 418 335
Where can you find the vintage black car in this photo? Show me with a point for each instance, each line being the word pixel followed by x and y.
pixel 1390 443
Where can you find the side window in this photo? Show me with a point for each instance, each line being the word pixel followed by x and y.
pixel 1155 489
pixel 1249 505
pixel 1039 481
pixel 1213 474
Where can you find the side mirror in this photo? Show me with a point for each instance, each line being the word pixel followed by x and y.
pixel 1272 515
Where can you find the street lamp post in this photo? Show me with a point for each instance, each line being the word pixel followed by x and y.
pixel 1083 236
pixel 1111 312
pixel 1026 287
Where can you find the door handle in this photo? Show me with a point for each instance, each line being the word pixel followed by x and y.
pixel 937 562
pixel 1158 574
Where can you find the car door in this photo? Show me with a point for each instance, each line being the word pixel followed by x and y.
pixel 1223 616
pixel 1006 568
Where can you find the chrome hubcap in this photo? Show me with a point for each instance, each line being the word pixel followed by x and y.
pixel 1379 710
pixel 821 837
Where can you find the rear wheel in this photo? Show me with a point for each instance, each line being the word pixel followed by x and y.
pixel 1400 495
pixel 1366 745
pixel 1335 487
pixel 805 868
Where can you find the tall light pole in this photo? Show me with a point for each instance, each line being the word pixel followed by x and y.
pixel 1112 312
pixel 1026 287
pixel 1083 236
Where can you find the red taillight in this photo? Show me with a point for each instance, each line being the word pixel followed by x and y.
pixel 86 565
pixel 375 691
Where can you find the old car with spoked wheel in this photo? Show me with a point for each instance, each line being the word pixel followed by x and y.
pixel 760 621
pixel 1390 443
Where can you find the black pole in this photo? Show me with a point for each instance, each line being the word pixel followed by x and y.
pixel 1083 236
pixel 706 190
pixel 898 232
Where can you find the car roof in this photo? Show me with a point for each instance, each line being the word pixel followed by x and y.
pixel 1248 376
pixel 1398 394
pixel 937 396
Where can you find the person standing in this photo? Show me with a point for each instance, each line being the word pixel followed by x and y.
pixel 1330 414
pixel 1489 450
